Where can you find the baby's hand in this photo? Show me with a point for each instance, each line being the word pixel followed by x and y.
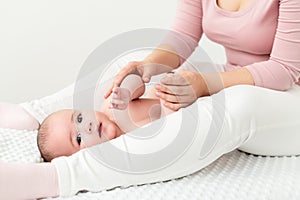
pixel 120 98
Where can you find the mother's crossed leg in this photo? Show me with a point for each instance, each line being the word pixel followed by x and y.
pixel 275 121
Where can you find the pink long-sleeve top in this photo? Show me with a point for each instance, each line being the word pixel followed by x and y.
pixel 264 37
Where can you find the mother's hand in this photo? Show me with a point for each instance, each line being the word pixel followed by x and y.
pixel 180 89
pixel 146 69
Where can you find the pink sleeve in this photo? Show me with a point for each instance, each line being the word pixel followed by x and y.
pixel 188 19
pixel 16 117
pixel 282 70
pixel 187 28
pixel 28 181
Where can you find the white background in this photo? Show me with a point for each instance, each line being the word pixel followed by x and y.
pixel 43 43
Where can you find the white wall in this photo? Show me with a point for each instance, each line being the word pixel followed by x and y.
pixel 44 42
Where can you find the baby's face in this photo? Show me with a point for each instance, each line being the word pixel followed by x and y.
pixel 70 131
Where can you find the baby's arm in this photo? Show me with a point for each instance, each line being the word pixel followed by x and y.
pixel 15 117
pixel 164 110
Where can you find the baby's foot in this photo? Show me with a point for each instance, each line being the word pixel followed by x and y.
pixel 120 98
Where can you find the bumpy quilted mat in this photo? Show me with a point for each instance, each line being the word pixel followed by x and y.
pixel 235 175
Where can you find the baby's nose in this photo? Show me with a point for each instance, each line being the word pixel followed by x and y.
pixel 85 127
pixel 89 136
pixel 89 127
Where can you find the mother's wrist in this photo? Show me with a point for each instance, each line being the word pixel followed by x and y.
pixel 201 88
pixel 212 83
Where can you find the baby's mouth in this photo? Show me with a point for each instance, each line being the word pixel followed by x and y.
pixel 100 129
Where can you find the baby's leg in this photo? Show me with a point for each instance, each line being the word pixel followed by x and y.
pixel 154 110
pixel 164 110
pixel 151 93
pixel 130 89
pixel 15 117
pixel 135 85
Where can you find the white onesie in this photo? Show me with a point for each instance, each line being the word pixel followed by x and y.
pixel 253 119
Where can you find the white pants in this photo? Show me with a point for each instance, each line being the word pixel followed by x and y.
pixel 276 120
pixel 253 119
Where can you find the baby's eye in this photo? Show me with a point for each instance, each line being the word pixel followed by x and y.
pixel 78 138
pixel 79 118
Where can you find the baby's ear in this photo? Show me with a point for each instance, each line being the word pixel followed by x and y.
pixel 39 126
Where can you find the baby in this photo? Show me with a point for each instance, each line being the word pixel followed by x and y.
pixel 67 131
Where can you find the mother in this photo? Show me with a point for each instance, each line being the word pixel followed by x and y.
pixel 261 39
pixel 262 42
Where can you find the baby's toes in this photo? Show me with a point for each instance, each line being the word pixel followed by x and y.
pixel 125 94
pixel 121 94
pixel 118 104
pixel 116 93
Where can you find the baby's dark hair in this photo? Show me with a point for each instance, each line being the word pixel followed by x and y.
pixel 42 138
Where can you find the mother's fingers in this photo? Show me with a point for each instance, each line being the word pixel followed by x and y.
pixel 174 89
pixel 107 94
pixel 168 97
pixel 116 83
pixel 175 106
pixel 130 68
pixel 173 79
pixel 174 98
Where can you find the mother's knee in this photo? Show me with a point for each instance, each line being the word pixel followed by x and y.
pixel 241 100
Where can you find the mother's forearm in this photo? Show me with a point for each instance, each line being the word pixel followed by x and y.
pixel 164 55
pixel 213 83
